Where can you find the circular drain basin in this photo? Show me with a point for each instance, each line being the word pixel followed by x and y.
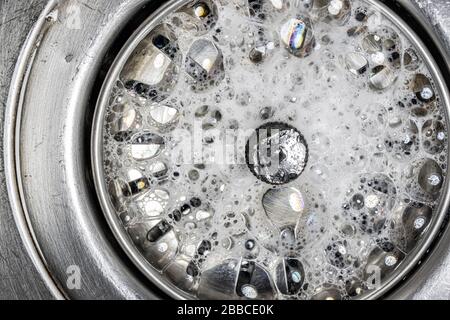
pixel 273 149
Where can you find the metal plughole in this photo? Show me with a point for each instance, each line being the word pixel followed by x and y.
pixel 49 118
pixel 144 250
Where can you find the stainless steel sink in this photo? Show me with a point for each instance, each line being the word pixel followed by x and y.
pixel 59 216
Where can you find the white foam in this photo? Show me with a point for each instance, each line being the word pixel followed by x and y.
pixel 344 121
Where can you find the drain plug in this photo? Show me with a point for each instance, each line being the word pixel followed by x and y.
pixel 276 153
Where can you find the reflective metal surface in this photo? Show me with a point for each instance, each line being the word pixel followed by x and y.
pixel 62 225
pixel 20 279
pixel 65 217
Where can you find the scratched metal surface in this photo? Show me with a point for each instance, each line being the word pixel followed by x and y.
pixel 19 279
pixel 71 232
pixel 438 13
pixel 54 152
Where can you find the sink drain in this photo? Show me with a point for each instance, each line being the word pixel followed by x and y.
pixel 276 153
pixel 273 149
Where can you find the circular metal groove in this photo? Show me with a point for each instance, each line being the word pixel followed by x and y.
pixel 12 172
pixel 26 227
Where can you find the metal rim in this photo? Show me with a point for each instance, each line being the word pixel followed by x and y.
pixel 97 159
pixel 118 279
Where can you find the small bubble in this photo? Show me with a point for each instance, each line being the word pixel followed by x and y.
pixel 434 180
pixel 390 260
pixel 296 277
pixel 250 244
pixel 249 291
pixel 426 93
pixel 419 223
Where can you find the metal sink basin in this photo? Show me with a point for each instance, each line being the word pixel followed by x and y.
pixel 349 99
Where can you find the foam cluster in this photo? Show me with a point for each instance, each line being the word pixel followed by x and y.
pixel 359 94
